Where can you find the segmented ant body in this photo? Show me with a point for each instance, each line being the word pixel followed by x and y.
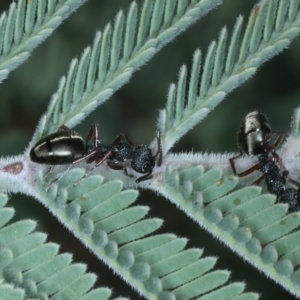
pixel 67 147
pixel 254 139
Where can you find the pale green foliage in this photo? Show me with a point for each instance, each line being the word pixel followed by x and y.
pixel 26 25
pixel 116 55
pixel 226 66
pixel 31 268
pixel 250 224
pixel 99 215
pixel 97 210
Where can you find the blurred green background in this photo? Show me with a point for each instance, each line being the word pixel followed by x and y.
pixel 134 108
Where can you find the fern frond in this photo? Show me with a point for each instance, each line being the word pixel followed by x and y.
pixel 116 55
pixel 31 268
pixel 271 27
pixel 249 223
pixel 157 266
pixel 26 25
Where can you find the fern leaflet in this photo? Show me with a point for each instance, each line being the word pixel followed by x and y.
pixel 116 55
pixel 26 25
pixel 222 73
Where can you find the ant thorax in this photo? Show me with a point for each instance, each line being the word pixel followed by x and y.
pixel 121 152
pixel 275 178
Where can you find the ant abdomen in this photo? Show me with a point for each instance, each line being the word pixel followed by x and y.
pixel 254 132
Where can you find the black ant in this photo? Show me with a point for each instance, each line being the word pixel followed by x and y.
pixel 254 139
pixel 67 147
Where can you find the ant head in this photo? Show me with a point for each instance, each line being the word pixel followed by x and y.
pixel 254 134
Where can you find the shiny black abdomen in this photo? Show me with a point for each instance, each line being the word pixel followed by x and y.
pixel 58 148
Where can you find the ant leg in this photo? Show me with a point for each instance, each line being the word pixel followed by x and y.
pixel 98 163
pixel 249 171
pixel 128 139
pixel 84 157
pixel 270 148
pixel 126 173
pixel 232 164
pixel 273 148
pixel 119 167
pixel 93 132
pixel 266 140
pixel 159 148
pixel 78 160
pixel 144 177
pixel 60 176
pixel 116 166
pixel 278 141
pixel 120 137
pixel 296 183
pixel 285 174
pixel 49 170
pixel 47 173
pixel 101 160
pixel 259 180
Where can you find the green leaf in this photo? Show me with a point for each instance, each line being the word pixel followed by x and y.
pixel 223 72
pixel 21 31
pixel 16 230
pixel 99 214
pixel 251 224
pixel 33 266
pixel 202 284
pixel 116 66
pixel 225 293
pixel 56 282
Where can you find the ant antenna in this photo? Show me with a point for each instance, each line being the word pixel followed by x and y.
pixel 159 148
